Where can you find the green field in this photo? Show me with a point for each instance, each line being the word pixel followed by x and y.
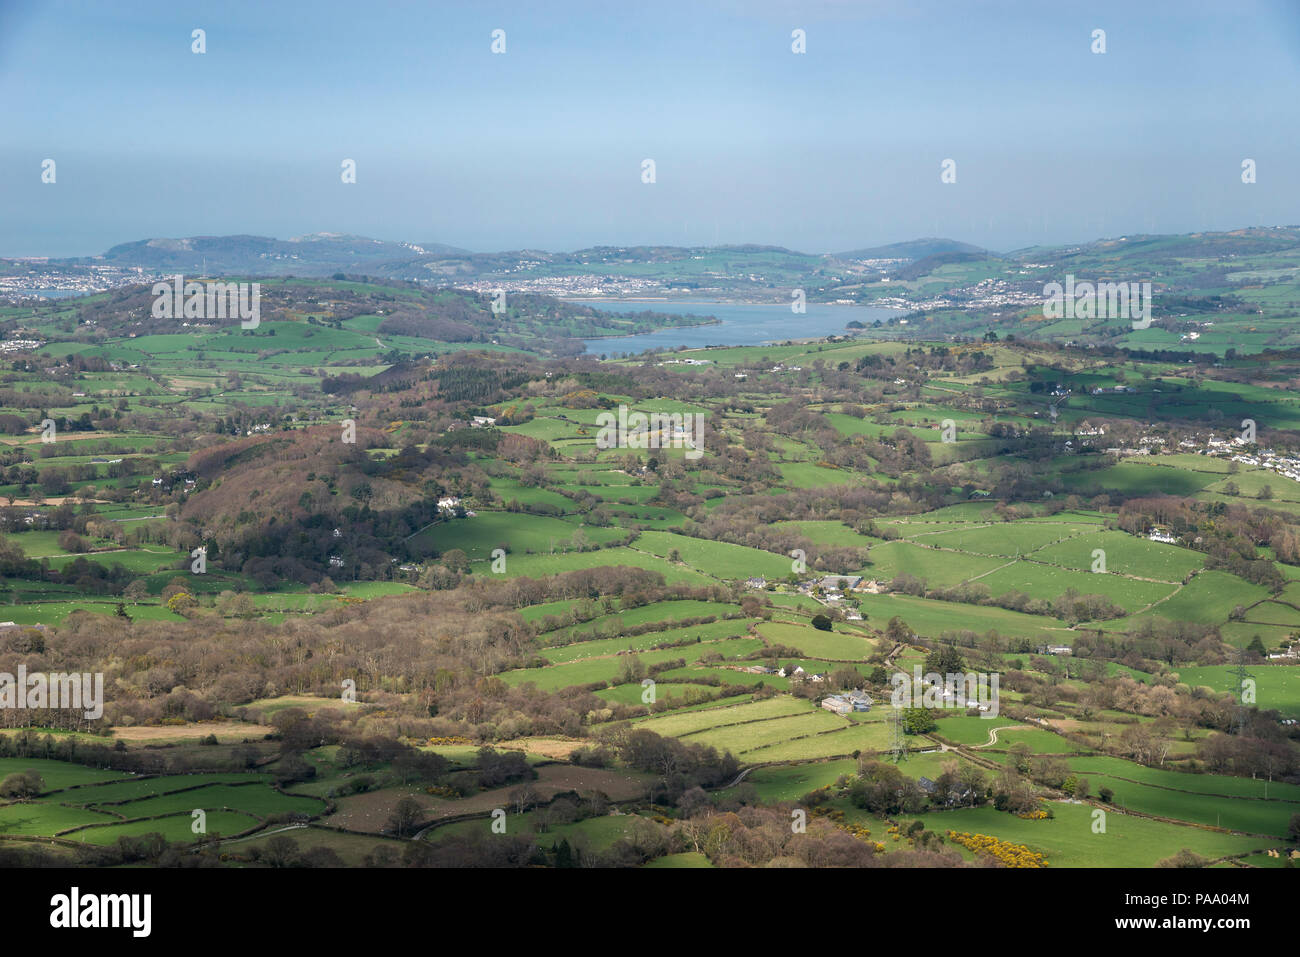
pixel 1068 839
pixel 1277 687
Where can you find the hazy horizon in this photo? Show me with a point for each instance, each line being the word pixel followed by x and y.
pixel 631 245
pixel 541 147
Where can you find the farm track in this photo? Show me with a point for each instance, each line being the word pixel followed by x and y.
pixel 989 572
pixel 1181 586
pixel 987 764
pixel 255 835
pixel 739 777
pixel 993 735
pixel 106 551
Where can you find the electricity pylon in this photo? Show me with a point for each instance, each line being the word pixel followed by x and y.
pixel 897 746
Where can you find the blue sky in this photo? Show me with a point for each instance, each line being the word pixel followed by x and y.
pixel 542 147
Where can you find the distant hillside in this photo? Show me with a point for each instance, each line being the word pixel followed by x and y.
pixel 1252 241
pixel 324 254
pixel 315 255
pixel 923 267
pixel 912 250
pixel 949 269
pixel 377 315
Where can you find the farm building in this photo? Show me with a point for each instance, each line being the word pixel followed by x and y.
pixel 847 702
pixel 837 704
pixel 841 582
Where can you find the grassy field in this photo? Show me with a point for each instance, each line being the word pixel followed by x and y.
pixel 836 645
pixel 589 670
pixel 1068 839
pixel 719 559
pixel 711 631
pixel 1277 687
pixel 97 807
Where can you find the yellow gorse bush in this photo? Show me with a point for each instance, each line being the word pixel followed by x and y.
pixel 1010 855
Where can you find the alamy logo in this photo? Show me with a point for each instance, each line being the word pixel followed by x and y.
pixel 56 690
pixel 73 910
pixel 658 430
pixel 209 300
pixel 957 691
pixel 1103 300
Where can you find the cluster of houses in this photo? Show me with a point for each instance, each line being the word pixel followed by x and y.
pixel 833 587
pixel 794 672
pixel 20 345
pixel 835 584
pixel 832 590
pixel 951 697
pixel 1286 465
